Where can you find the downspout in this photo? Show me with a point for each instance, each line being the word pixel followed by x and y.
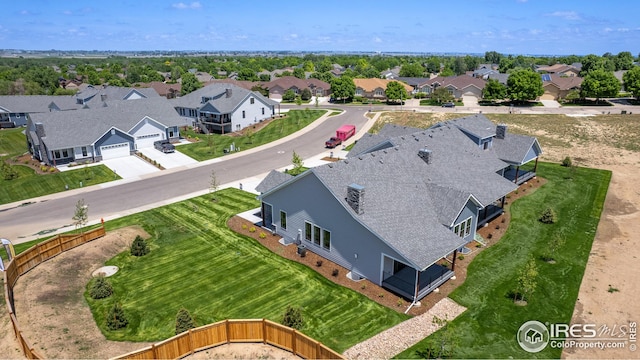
pixel 415 296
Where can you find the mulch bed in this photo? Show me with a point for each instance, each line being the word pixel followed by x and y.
pixel 371 290
pixel 27 160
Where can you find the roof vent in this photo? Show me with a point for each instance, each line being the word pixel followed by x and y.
pixel 501 131
pixel 228 93
pixel 426 155
pixel 355 198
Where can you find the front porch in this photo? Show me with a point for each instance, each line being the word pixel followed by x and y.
pixel 490 212
pixel 521 173
pixel 403 282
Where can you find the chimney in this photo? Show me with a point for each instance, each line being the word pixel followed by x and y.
pixel 426 155
pixel 40 130
pixel 501 131
pixel 228 93
pixel 355 198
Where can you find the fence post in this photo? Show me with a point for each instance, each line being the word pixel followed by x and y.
pixel 294 338
pixel 191 347
pixel 153 351
pixel 226 323
pixel 317 355
pixel 264 332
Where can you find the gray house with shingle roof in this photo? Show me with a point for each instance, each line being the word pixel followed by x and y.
pixel 402 204
pixel 115 129
pixel 224 108
pixel 14 109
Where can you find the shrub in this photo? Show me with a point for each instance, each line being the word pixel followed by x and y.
pixel 262 235
pixel 244 226
pixel 101 288
pixel 293 318
pixel 139 247
pixel 319 263
pixel 335 272
pixel 567 162
pixel 460 257
pixel 52 169
pixel 252 229
pixel 548 216
pixel 184 321
pixel 116 318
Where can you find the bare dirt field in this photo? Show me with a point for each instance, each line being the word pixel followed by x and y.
pixel 56 319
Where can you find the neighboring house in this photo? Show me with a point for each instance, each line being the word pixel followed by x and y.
pixel 223 108
pixel 502 78
pixel 116 129
pixel 560 70
pixel 375 88
pixel 557 87
pixel 391 74
pixel 279 86
pixel 169 91
pixel 402 201
pixel 94 96
pixel 14 109
pixel 419 84
pixel 484 73
pixel 459 86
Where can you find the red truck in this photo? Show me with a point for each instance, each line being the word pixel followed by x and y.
pixel 342 134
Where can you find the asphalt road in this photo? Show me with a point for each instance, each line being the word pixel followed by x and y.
pixel 53 212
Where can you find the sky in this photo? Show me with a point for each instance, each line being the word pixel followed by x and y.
pixel 537 27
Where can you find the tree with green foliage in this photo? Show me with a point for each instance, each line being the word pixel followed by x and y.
pixel 556 242
pixel 494 90
pixel 441 95
pixel 443 341
pixel 412 70
pixel 116 318
pixel 524 85
pixel 527 280
pixel 214 184
pixel 308 66
pixel 101 288
pixel 299 73
pixel 139 247
pixel 343 88
pixel 247 74
pixel 572 96
pixel 492 57
pixel 306 94
pixel 7 171
pixel 632 81
pixel 297 162
pixel 184 321
pixel 623 61
pixel 293 318
pixel 600 83
pixel 289 95
pixel 395 92
pixel 81 214
pixel 190 83
pixel 548 216
pixel 324 76
pixel 176 73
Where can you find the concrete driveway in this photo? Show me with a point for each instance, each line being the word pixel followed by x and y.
pixel 130 167
pixel 550 103
pixel 170 160
pixel 469 101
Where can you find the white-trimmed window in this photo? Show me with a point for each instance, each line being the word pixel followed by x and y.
pixel 359 92
pixel 317 235
pixel 252 101
pixel 463 229
pixel 283 219
pixel 379 92
pixel 307 230
pixel 243 114
pixel 326 239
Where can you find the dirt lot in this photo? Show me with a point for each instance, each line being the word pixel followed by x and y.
pixel 49 299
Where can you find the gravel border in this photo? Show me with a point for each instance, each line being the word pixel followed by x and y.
pixel 393 341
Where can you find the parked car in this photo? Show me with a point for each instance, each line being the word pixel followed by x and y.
pixel 448 104
pixel 333 142
pixel 165 146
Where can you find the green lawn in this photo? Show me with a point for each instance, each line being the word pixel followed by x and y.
pixel 488 328
pixel 196 262
pixel 13 142
pixel 211 146
pixel 29 184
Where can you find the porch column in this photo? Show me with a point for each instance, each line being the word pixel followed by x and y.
pixel 535 167
pixel 484 217
pixel 262 214
pixel 502 200
pixel 415 296
pixel 453 264
pixel 517 169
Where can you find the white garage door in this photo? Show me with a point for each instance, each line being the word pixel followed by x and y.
pixel 146 141
pixel 114 151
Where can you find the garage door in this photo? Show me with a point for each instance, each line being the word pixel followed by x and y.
pixel 146 141
pixel 114 151
pixel 547 96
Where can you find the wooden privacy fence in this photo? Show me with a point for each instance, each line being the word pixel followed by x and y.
pixel 235 331
pixel 28 260
pixel 188 342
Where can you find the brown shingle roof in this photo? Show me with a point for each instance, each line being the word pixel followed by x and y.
pixel 287 82
pixel 370 85
pixel 564 83
pixel 459 82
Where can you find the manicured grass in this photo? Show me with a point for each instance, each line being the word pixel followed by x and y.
pixel 12 142
pixel 488 328
pixel 430 102
pixel 29 184
pixel 212 146
pixel 197 263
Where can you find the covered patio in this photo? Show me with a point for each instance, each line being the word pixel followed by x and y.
pixel 490 212
pixel 521 173
pixel 404 281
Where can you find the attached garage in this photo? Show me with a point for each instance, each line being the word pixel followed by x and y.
pixel 114 151
pixel 146 141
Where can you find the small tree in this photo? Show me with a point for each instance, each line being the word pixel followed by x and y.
pixel 306 94
pixel 81 214
pixel 567 162
pixel 116 318
pixel 293 318
pixel 184 321
pixel 213 184
pixel 249 134
pixel 211 143
pixel 289 95
pixel 443 341
pixel 8 173
pixel 556 242
pixel 298 101
pixel 441 95
pixel 297 163
pixel 548 216
pixel 139 247
pixel 101 288
pixel 527 280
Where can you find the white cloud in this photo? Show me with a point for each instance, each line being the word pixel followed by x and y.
pixel 623 29
pixel 377 40
pixel 183 6
pixel 522 1
pixel 67 12
pixel 567 15
pixel 608 29
pixel 293 36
